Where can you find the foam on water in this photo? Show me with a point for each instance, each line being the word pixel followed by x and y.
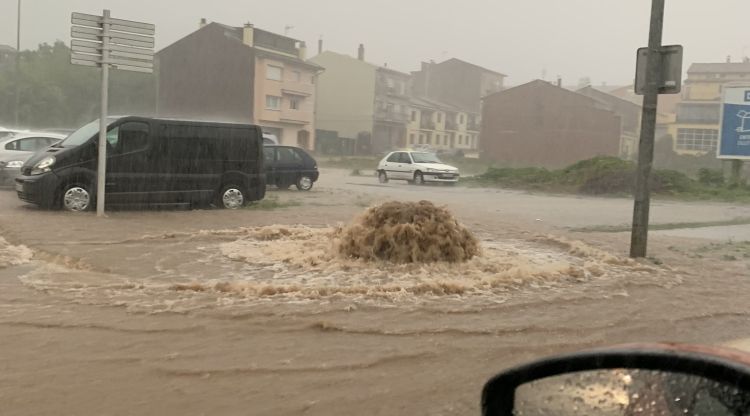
pixel 12 255
pixel 299 264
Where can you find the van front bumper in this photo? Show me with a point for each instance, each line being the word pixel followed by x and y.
pixel 37 189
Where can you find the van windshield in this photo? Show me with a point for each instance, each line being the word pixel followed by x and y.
pixel 84 133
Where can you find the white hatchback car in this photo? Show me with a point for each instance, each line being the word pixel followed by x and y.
pixel 416 167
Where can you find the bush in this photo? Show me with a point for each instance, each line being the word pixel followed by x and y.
pixel 711 177
pixel 672 181
pixel 617 182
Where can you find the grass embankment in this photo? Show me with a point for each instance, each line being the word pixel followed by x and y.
pixel 614 177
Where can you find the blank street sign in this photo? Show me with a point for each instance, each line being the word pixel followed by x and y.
pixel 129 44
pixel 671 70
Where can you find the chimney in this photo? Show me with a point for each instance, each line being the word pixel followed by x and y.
pixel 320 45
pixel 302 51
pixel 203 22
pixel 361 52
pixel 746 59
pixel 247 34
pixel 559 82
pixel 729 59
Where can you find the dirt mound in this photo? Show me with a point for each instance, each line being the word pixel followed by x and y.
pixel 408 232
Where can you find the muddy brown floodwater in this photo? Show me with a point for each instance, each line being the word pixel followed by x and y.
pixel 255 312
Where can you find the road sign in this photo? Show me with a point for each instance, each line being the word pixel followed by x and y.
pixel 128 45
pixel 671 70
pixel 734 138
pixel 101 41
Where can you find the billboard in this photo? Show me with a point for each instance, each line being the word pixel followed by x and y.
pixel 734 136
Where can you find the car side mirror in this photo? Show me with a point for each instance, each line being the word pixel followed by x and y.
pixel 645 379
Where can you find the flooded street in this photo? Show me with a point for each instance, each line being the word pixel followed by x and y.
pixel 168 312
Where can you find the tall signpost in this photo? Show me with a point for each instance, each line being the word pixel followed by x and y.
pixel 658 71
pixel 104 42
pixel 734 140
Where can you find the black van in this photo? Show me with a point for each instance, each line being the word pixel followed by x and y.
pixel 150 161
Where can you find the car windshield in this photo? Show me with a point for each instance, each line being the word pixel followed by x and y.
pixel 335 207
pixel 423 157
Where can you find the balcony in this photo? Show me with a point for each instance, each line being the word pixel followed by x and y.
pixel 391 116
pixel 382 89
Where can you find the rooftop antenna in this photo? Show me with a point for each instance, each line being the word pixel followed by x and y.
pixel 287 28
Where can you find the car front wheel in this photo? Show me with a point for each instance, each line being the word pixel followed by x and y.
pixel 382 177
pixel 419 178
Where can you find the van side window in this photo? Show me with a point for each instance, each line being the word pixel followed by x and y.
pixel 133 137
pixel 113 136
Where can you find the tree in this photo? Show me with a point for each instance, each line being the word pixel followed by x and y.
pixel 56 94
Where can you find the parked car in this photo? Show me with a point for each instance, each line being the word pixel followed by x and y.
pixel 416 167
pixel 150 161
pixel 288 165
pixel 15 149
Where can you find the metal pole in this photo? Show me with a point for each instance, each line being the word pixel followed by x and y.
pixel 18 66
pixel 639 237
pixel 102 158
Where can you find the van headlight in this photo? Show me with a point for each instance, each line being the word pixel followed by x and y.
pixel 14 164
pixel 43 166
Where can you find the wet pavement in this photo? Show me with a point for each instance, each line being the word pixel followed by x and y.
pixel 218 312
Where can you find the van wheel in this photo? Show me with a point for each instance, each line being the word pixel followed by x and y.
pixel 231 197
pixel 304 183
pixel 76 197
pixel 382 177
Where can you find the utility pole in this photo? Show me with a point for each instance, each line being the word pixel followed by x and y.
pixel 18 67
pixel 639 237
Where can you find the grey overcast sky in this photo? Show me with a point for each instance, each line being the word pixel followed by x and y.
pixel 521 38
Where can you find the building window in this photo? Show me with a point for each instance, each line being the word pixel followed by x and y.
pixel 445 140
pixel 460 139
pixel 461 119
pixel 437 139
pixel 312 79
pixel 297 76
pixel 273 102
pixel 702 140
pixel 421 139
pixel 412 138
pixel 275 73
pixel 413 116
pixel 294 103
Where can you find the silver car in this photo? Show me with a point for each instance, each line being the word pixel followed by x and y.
pixel 16 149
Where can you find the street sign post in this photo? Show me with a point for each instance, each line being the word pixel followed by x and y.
pixel 654 79
pixel 670 81
pixel 734 138
pixel 104 42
